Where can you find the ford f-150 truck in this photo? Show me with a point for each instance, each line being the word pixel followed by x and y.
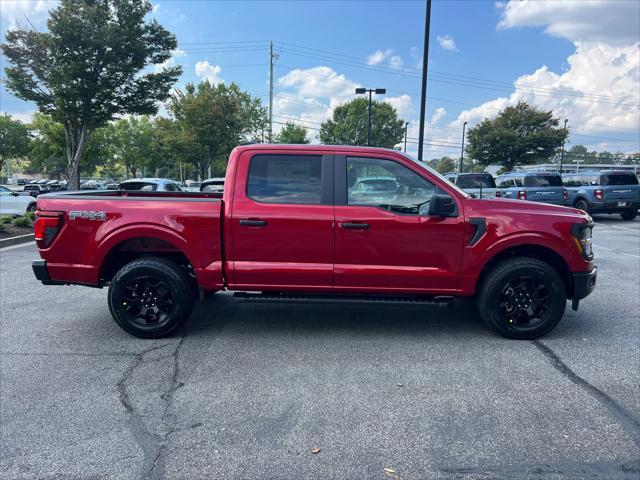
pixel 291 226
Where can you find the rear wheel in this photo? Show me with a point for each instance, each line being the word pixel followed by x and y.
pixel 151 297
pixel 630 215
pixel 522 298
pixel 582 205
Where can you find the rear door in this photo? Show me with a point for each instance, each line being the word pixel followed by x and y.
pixel 282 221
pixel 544 188
pixel 384 242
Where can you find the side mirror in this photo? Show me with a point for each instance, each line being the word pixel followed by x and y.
pixel 15 194
pixel 441 206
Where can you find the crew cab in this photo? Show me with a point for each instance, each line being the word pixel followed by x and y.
pixel 606 191
pixel 546 187
pixel 290 226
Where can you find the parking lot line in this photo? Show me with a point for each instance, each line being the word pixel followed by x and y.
pixel 4 249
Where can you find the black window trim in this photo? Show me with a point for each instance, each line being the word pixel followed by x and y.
pixel 326 178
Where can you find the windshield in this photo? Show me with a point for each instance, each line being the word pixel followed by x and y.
pixel 437 174
pixel 623 178
pixel 542 181
pixel 475 181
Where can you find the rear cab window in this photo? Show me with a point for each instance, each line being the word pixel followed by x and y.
pixel 475 181
pixel 292 179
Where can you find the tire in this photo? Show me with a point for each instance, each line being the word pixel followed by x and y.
pixel 630 215
pixel 504 288
pixel 31 207
pixel 582 205
pixel 151 297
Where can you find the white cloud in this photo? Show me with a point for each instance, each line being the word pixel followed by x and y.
pixel 206 71
pixel 610 21
pixel 403 105
pixel 318 82
pixel 598 91
pixel 447 43
pixel 14 13
pixel 24 117
pixel 385 56
pixel 438 114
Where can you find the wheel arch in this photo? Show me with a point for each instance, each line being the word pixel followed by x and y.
pixel 540 252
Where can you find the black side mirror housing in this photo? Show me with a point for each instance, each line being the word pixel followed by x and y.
pixel 15 194
pixel 442 206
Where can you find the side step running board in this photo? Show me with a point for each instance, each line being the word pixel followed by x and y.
pixel 341 299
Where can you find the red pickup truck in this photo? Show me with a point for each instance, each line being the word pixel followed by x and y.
pixel 318 223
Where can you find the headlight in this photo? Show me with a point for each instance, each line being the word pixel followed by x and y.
pixel 582 236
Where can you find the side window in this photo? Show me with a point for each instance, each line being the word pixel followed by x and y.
pixel 504 182
pixel 285 179
pixel 4 191
pixel 386 184
pixel 169 187
pixel 517 181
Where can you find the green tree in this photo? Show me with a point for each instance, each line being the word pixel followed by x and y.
pixel 443 165
pixel 349 122
pixel 519 135
pixel 209 121
pixel 47 152
pixel 91 66
pixel 14 139
pixel 132 142
pixel 292 133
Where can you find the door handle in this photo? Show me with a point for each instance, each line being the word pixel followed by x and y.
pixel 253 223
pixel 355 226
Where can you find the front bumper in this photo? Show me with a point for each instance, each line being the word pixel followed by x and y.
pixel 584 283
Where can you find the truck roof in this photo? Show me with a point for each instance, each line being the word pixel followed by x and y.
pixel 310 147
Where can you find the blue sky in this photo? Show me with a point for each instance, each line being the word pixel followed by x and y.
pixel 580 59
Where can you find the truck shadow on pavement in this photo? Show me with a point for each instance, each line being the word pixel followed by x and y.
pixel 222 312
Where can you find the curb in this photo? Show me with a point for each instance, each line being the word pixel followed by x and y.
pixel 6 242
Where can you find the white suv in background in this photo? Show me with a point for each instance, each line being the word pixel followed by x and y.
pixel 12 203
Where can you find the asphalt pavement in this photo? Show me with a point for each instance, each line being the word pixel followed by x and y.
pixel 252 390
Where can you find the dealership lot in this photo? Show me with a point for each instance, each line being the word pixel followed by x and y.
pixel 249 390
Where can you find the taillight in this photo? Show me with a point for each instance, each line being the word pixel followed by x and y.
pixel 498 194
pixel 522 195
pixel 565 195
pixel 46 227
pixel 599 194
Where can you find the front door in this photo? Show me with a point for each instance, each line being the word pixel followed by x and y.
pixel 384 240
pixel 282 222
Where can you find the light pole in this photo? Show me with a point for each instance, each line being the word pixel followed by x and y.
pixel 464 126
pixel 406 131
pixel 563 139
pixel 423 92
pixel 577 162
pixel 370 91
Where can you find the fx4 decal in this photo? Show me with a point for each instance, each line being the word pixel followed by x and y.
pixel 87 215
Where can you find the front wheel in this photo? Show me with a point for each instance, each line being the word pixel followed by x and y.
pixel 522 298
pixel 630 215
pixel 151 297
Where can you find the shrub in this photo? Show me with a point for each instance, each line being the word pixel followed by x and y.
pixel 3 227
pixel 31 216
pixel 6 219
pixel 22 222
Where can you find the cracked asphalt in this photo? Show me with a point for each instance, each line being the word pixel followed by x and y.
pixel 248 390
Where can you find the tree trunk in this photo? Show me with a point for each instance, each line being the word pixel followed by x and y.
pixel 76 140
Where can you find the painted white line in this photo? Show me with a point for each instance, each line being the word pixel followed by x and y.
pixel 11 247
pixel 616 251
pixel 618 227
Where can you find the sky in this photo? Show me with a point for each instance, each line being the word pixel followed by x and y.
pixel 580 59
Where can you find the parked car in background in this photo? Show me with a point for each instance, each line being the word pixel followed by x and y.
pixel 57 185
pixel 12 203
pixel 215 185
pixel 604 191
pixel 92 185
pixel 192 186
pixel 151 185
pixel 22 181
pixel 545 187
pixel 478 185
pixel 111 185
pixel 35 189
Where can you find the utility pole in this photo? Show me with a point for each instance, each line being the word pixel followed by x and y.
pixel 425 62
pixel 406 132
pixel 562 151
pixel 272 57
pixel 464 126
